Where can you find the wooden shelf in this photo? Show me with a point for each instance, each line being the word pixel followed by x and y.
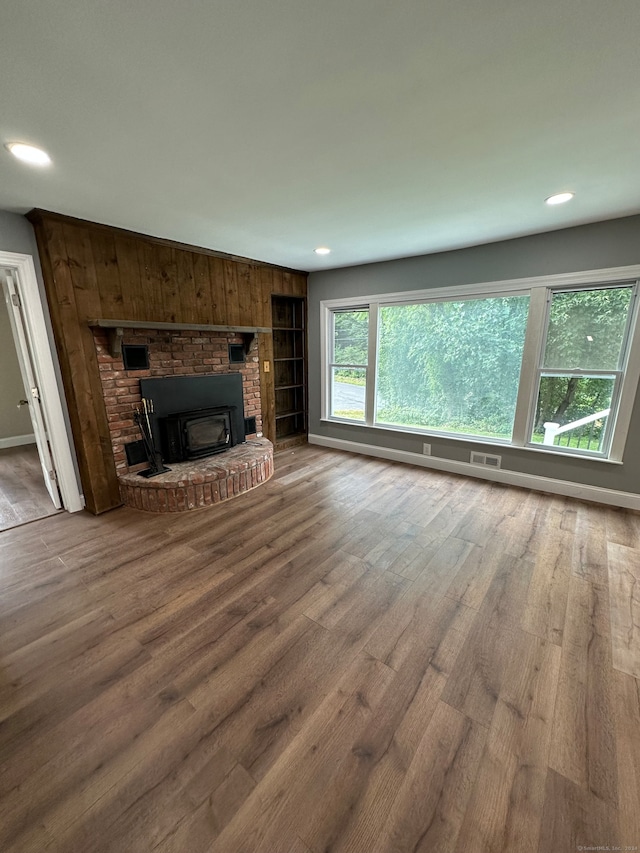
pixel 288 316
pixel 115 329
pixel 154 324
pixel 289 414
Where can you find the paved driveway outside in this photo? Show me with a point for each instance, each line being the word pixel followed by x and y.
pixel 348 397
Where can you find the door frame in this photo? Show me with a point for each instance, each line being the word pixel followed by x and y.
pixel 42 357
pixel 31 385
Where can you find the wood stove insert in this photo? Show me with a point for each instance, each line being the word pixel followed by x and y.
pixel 192 435
pixel 196 416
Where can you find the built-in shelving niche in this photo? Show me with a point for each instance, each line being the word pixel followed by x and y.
pixel 290 368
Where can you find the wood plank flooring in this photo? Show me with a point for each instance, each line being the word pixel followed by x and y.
pixel 358 657
pixel 23 495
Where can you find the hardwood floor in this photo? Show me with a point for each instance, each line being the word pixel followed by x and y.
pixel 23 496
pixel 358 656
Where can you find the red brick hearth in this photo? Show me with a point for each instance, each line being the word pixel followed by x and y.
pixel 182 353
pixel 190 485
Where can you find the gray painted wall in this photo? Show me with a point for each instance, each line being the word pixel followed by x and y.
pixel 13 421
pixel 597 246
pixel 16 235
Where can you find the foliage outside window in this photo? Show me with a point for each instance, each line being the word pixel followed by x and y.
pixel 455 365
pixel 451 366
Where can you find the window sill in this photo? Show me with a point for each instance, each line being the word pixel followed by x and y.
pixel 492 442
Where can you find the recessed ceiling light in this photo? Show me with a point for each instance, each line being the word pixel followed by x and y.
pixel 29 153
pixel 322 250
pixel 559 198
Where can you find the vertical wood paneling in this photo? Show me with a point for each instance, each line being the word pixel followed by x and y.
pixel 79 367
pixel 170 294
pixel 127 257
pixel 299 284
pixel 201 283
pixel 82 270
pixel 90 280
pixel 255 284
pixel 149 280
pixel 231 293
pixel 267 288
pixel 278 283
pixel 186 287
pixel 95 272
pixel 217 308
pixel 243 290
pixel 267 393
pixel 107 274
pixel 287 284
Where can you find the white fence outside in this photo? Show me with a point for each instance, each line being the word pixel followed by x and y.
pixel 551 430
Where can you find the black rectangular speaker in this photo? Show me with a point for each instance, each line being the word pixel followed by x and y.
pixel 135 452
pixel 135 357
pixel 249 426
pixel 237 354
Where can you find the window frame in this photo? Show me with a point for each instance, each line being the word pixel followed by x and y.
pixel 540 290
pixel 581 374
pixel 618 373
pixel 334 364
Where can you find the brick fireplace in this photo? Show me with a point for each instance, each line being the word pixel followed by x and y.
pixel 182 353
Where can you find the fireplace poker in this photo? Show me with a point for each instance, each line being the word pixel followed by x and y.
pixel 147 405
pixel 143 431
pixel 142 418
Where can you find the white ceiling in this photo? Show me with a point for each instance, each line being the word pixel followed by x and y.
pixel 264 128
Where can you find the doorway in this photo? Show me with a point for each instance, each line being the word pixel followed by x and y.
pixel 37 474
pixel 23 493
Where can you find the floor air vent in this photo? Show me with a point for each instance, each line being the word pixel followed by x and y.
pixel 486 459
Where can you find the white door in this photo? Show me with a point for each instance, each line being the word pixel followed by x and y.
pixel 32 392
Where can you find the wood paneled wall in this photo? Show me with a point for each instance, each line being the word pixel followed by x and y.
pixel 95 272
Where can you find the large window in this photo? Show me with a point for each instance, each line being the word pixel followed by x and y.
pixel 537 364
pixel 451 366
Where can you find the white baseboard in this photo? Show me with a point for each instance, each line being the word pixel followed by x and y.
pixel 596 494
pixel 17 440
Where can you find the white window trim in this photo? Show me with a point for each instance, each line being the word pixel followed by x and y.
pixel 372 366
pixel 491 288
pixel 532 350
pixel 537 287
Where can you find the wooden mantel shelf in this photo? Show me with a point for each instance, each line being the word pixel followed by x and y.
pixel 174 327
pixel 116 328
